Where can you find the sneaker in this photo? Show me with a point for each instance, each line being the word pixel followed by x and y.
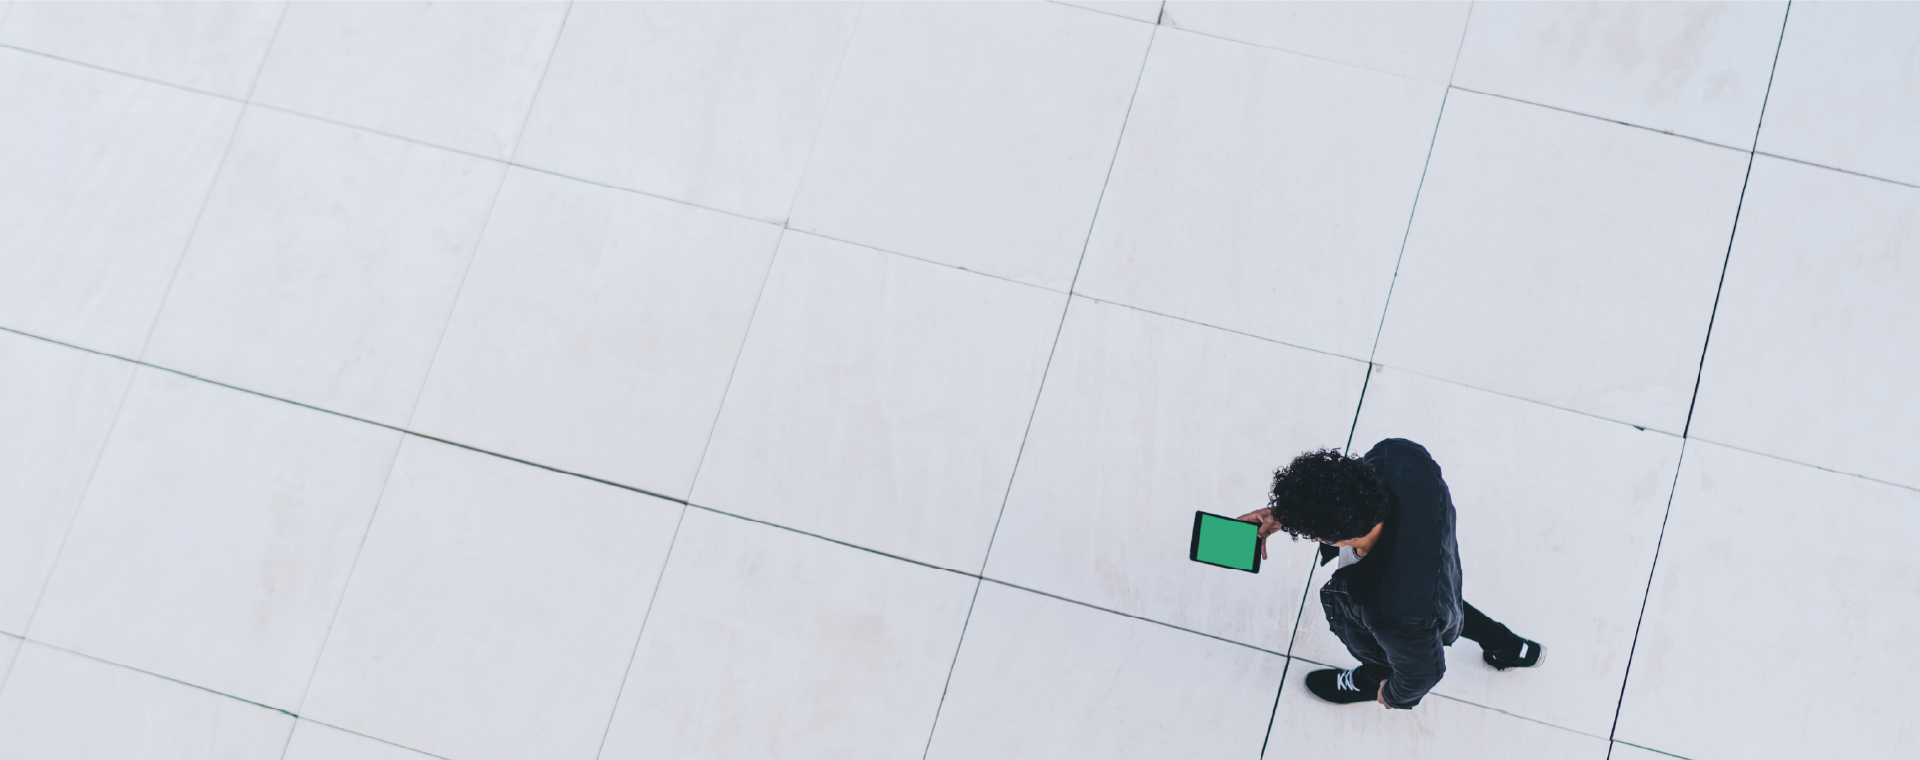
pixel 1338 686
pixel 1525 654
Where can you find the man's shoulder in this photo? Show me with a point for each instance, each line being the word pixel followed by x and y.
pixel 1398 451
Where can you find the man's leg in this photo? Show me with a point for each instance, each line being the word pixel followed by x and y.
pixel 1501 647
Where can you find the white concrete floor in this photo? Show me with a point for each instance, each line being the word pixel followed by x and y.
pixel 489 381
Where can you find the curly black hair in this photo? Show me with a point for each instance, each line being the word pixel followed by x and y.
pixel 1327 496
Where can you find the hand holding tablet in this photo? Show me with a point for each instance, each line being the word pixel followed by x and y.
pixel 1222 541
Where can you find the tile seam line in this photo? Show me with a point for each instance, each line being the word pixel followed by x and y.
pixel 1849 172
pixel 486 223
pixel 1294 53
pixel 680 500
pixel 613 711
pixel 1105 13
pixel 824 236
pixel 1653 570
pixel 161 676
pixel 346 586
pixel 1375 363
pixel 1117 613
pixel 1640 127
pixel 826 107
pixel 79 504
pixel 1406 234
pixel 254 84
pixel 117 72
pixel 513 152
pixel 193 232
pixel 946 684
pixel 369 737
pixel 1039 392
pixel 297 717
pixel 760 296
pixel 1662 753
pixel 1719 289
pixel 1287 666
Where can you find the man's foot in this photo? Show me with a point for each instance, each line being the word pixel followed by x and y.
pixel 1339 686
pixel 1524 654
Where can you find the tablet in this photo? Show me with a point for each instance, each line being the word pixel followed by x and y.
pixel 1225 542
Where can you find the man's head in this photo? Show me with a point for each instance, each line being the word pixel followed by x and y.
pixel 1327 496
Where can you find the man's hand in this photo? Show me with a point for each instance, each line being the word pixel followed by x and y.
pixel 1381 697
pixel 1268 527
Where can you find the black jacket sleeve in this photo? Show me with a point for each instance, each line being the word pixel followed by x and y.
pixel 1417 656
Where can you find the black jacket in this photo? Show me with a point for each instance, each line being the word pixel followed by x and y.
pixel 1396 607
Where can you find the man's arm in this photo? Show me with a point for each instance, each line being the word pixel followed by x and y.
pixel 1417 657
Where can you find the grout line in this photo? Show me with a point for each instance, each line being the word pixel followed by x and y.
pixel 479 241
pixel 254 84
pixel 954 267
pixel 595 183
pixel 359 549
pixel 1778 458
pixel 658 581
pixel 826 108
pixel 1358 404
pixel 149 80
pixel 1156 14
pixel 1653 569
pixel 1295 53
pixel 1636 746
pixel 766 279
pixel 1700 369
pixel 1439 117
pixel 952 665
pixel 304 718
pixel 219 168
pixel 453 305
pixel 1515 715
pixel 1381 365
pixel 1599 118
pixel 1189 320
pixel 1835 169
pixel 79 504
pixel 540 84
pixel 1202 634
pixel 1293 638
pixel 1466 27
pixel 193 231
pixel 1786 14
pixel 159 676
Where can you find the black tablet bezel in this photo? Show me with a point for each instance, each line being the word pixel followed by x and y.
pixel 1193 546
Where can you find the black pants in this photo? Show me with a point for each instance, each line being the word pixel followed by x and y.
pixel 1481 629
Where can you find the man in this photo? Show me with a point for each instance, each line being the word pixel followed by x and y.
pixel 1395 599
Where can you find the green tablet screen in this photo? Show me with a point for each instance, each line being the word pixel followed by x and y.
pixel 1226 542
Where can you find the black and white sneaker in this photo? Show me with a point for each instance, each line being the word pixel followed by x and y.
pixel 1340 688
pixel 1525 654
